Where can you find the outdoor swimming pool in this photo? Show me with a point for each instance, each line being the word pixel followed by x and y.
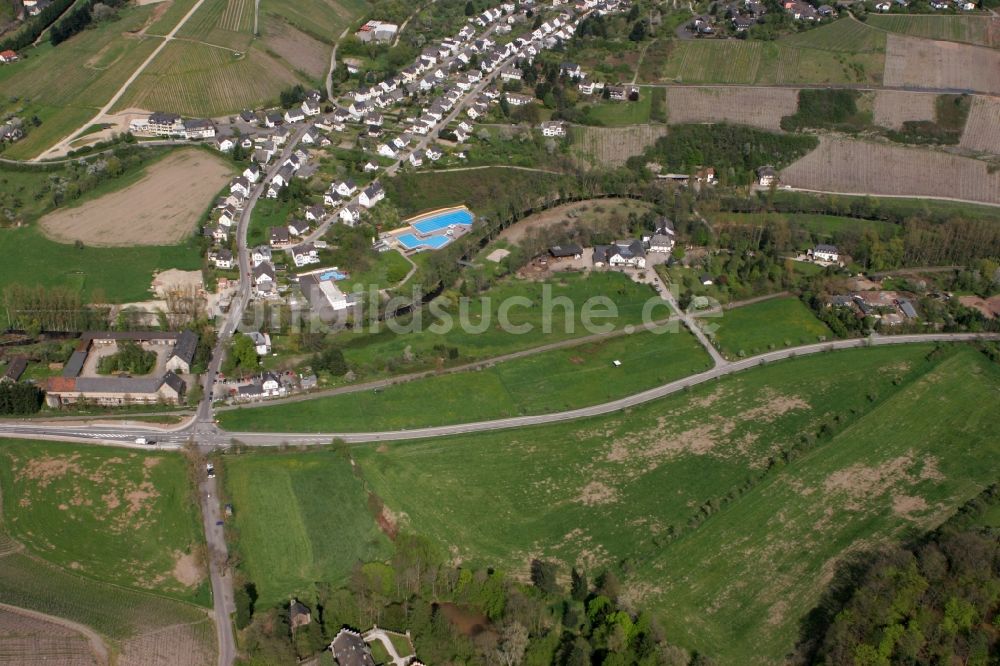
pixel 333 275
pixel 411 242
pixel 429 225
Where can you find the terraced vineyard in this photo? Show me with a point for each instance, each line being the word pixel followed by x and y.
pixel 894 107
pixel 846 35
pixel 845 165
pixel 922 63
pixel 29 641
pixel 706 61
pixel 149 630
pixel 200 80
pixel 981 30
pixel 612 146
pixel 227 24
pixel 757 107
pixel 841 52
pixel 982 129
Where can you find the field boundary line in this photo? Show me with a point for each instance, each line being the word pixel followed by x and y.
pixel 97 645
pixel 891 196
pixel 610 407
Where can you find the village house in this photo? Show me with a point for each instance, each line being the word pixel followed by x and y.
pixel 371 195
pixel 7 56
pixel 623 253
pixel 767 176
pixel 305 254
pixel 298 227
pixel 553 128
pixel 350 215
pixel 824 252
pixel 223 259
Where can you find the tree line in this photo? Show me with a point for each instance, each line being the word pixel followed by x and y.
pixel 936 601
pixel 34 27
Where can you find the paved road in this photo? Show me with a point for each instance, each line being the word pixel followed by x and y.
pixel 64 145
pixel 789 188
pixel 727 368
pixel 222 585
pixel 125 435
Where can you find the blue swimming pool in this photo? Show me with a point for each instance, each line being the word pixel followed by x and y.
pixel 443 221
pixel 333 275
pixel 411 242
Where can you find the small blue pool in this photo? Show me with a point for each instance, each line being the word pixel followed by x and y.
pixel 443 221
pixel 411 242
pixel 333 275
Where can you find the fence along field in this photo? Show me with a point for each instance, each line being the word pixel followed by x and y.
pixel 614 145
pixel 923 63
pixel 981 30
pixel 758 107
pixel 847 165
pixel 894 107
pixel 982 129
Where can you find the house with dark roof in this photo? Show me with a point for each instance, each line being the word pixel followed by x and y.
pixel 350 649
pixel 298 614
pixel 566 250
pixel 15 368
pixel 623 253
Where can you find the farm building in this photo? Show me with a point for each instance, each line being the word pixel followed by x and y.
pixel 569 250
pixel 15 369
pixel 377 31
pixel 80 379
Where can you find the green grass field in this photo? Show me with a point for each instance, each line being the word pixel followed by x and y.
pixel 906 440
pixel 771 324
pixel 385 351
pixel 968 29
pixel 622 114
pixel 845 35
pixel 322 19
pixel 136 623
pixel 299 519
pixel 546 382
pixel 113 516
pixel 31 258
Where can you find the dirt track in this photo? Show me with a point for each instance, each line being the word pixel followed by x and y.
pixel 159 209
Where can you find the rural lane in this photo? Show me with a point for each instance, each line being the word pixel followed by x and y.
pixel 64 145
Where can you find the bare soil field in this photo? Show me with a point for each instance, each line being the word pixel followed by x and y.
pixel 894 107
pixel 982 129
pixel 26 639
pixel 159 209
pixel 924 63
pixel 301 51
pixel 757 107
pixel 846 165
pixel 580 212
pixel 612 146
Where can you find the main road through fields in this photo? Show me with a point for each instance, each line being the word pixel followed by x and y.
pixel 215 437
